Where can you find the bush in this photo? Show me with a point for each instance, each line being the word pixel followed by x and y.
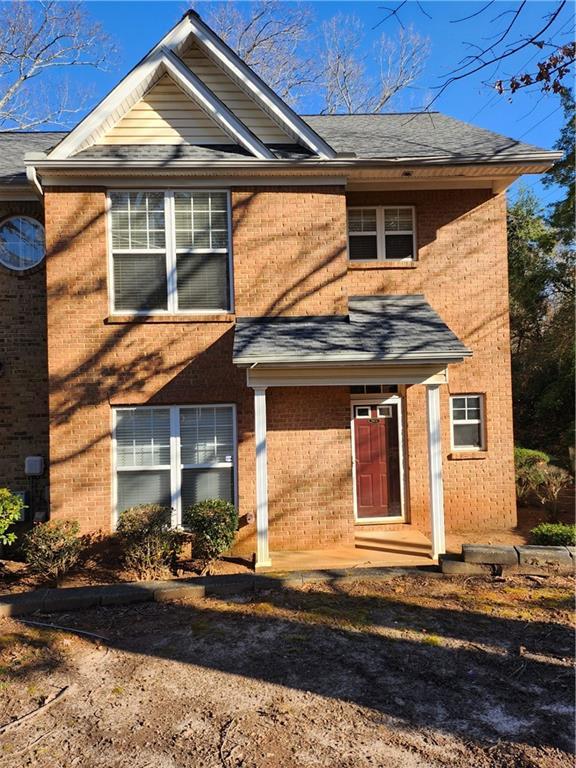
pixel 554 535
pixel 213 523
pixel 150 545
pixel 11 507
pixel 550 481
pixel 528 464
pixel 51 549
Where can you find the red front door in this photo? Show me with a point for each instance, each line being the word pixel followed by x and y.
pixel 377 460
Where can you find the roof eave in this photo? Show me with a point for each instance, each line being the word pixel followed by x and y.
pixel 327 361
pixel 541 162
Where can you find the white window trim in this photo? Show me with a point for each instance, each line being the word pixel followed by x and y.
pixel 176 465
pixel 381 233
pixel 170 251
pixel 395 399
pixel 481 421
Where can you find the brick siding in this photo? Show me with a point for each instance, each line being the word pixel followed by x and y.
pixel 289 259
pixel 24 374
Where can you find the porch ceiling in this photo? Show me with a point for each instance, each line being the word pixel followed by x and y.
pixel 378 331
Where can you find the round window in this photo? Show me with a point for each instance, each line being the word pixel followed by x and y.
pixel 21 242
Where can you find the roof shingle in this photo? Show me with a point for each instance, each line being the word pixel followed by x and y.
pixel 401 328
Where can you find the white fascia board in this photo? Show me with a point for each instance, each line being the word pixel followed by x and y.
pixel 212 106
pixel 232 63
pixel 91 122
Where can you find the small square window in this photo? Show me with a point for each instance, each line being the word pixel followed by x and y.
pixel 362 411
pixel 381 233
pixel 468 429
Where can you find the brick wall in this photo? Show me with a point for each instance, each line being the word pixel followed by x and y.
pixel 462 270
pixel 23 377
pixel 289 258
pixel 95 363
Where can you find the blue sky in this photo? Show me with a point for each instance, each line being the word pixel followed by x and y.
pixel 532 117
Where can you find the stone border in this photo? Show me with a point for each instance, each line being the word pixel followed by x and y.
pixel 82 598
pixel 478 559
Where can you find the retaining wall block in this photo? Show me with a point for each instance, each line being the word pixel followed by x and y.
pixel 492 554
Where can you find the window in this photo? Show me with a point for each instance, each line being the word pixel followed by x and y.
pixel 170 251
pixel 373 389
pixel 467 412
pixel 381 233
pixel 21 243
pixel 174 456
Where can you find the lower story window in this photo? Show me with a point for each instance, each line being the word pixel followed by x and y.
pixel 174 456
pixel 467 412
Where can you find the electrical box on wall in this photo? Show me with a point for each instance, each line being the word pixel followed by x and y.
pixel 34 466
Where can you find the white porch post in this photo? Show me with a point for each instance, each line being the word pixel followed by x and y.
pixel 435 470
pixel 262 553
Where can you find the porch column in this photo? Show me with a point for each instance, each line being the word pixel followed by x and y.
pixel 435 470
pixel 262 553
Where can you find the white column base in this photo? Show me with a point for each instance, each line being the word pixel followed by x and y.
pixel 435 470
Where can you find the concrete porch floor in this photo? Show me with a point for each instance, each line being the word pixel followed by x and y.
pixel 371 550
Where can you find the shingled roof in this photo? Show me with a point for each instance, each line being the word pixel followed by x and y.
pixel 15 144
pixel 398 138
pixel 419 136
pixel 398 329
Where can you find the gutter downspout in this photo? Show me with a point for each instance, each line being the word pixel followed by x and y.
pixel 32 177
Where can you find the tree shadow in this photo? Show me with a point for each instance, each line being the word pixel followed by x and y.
pixel 462 672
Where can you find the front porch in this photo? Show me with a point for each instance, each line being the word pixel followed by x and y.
pixel 396 341
pixel 382 549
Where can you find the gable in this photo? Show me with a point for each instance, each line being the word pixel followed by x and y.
pixel 242 105
pixel 165 115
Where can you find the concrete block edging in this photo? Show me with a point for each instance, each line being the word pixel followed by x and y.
pixel 82 598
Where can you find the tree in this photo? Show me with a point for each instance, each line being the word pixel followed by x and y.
pixel 37 39
pixel 549 73
pixel 345 82
pixel 542 327
pixel 269 41
pixel 563 173
pixel 272 38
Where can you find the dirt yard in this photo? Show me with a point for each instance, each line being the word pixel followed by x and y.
pixel 412 672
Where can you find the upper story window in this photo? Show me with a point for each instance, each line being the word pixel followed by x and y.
pixel 21 243
pixel 382 233
pixel 170 251
pixel 467 416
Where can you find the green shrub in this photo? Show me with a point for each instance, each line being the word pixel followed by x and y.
pixel 554 535
pixel 528 464
pixel 11 507
pixel 51 549
pixel 213 523
pixel 150 545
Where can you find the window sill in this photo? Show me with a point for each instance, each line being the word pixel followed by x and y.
pixel 382 264
pixel 217 317
pixel 466 455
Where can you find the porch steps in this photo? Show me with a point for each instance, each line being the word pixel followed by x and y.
pixel 493 559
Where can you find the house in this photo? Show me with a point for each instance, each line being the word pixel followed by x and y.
pixel 205 294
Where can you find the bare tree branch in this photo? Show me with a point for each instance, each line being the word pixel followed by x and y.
pixel 348 86
pixel 270 42
pixel 36 39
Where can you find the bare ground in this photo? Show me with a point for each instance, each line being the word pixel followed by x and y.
pixel 412 672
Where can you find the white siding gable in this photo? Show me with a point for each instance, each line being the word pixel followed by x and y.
pixel 242 105
pixel 165 115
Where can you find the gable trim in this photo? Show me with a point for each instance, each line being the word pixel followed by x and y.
pixel 162 58
pixel 262 93
pixel 213 106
